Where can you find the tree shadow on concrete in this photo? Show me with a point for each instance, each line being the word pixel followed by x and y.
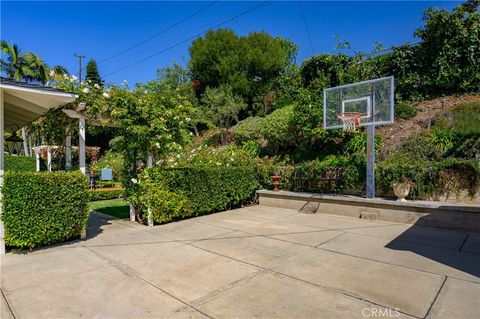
pixel 442 245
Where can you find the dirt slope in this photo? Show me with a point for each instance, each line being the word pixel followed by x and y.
pixel 402 129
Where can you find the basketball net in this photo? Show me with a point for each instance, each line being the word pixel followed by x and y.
pixel 350 120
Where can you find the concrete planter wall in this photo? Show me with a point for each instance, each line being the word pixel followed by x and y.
pixel 432 214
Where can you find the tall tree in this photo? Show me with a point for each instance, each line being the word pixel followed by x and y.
pixel 175 75
pixel 247 64
pixel 25 67
pixel 92 73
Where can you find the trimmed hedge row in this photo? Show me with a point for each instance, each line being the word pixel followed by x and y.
pixel 178 193
pixel 104 194
pixel 43 208
pixel 19 163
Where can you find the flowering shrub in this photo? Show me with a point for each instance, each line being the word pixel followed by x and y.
pixel 201 156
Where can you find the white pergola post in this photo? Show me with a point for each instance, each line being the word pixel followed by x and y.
pixel 30 144
pixel 81 158
pixel 37 158
pixel 24 138
pixel 81 145
pixel 149 211
pixel 49 159
pixel 68 152
pixel 2 156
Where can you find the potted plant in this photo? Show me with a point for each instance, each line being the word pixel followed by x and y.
pixel 402 188
pixel 276 182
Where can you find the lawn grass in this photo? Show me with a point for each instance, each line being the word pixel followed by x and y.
pixel 114 207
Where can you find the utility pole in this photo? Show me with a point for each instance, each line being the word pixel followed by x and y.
pixel 80 57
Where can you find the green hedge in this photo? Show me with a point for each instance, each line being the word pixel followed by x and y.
pixel 43 208
pixel 19 163
pixel 103 194
pixel 334 174
pixel 178 193
pixel 428 177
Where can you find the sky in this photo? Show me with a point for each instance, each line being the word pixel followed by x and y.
pixel 131 40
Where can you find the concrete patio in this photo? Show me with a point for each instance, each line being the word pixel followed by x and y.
pixel 255 262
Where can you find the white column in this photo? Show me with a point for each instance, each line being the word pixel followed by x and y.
pixel 49 159
pixel 30 145
pixel 37 158
pixel 132 213
pixel 81 145
pixel 24 138
pixel 2 155
pixel 149 211
pixel 68 152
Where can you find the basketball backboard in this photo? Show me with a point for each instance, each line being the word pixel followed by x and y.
pixel 371 103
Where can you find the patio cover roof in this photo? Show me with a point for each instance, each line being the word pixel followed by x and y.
pixel 24 102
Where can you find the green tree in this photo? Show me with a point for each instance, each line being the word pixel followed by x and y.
pixel 449 53
pixel 92 73
pixel 221 106
pixel 175 75
pixel 26 67
pixel 247 64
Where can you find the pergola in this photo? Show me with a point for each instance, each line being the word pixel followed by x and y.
pixel 21 103
pixel 46 151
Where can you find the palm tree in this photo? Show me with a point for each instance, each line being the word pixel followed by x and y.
pixel 27 67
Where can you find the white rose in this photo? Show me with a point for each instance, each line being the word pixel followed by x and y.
pixel 74 78
pixel 52 73
pixel 96 86
pixel 85 90
pixel 105 94
pixel 134 180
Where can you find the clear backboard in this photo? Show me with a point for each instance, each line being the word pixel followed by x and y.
pixel 368 103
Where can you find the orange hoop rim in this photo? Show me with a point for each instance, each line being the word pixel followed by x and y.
pixel 349 116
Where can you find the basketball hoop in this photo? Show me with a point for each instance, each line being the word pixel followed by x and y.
pixel 350 120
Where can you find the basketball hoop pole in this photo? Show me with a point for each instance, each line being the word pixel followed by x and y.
pixel 370 191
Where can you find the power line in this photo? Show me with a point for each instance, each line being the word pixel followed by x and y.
pixel 189 38
pixel 306 26
pixel 159 33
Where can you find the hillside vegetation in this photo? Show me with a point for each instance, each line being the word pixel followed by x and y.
pixel 460 113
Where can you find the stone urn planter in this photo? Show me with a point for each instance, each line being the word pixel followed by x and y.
pixel 276 182
pixel 401 190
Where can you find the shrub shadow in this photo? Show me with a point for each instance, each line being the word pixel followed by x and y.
pixel 94 228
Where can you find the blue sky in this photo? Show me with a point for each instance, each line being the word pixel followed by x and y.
pixel 99 30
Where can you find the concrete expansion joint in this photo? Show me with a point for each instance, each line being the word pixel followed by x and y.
pixel 331 239
pixel 271 270
pixel 436 296
pixel 392 264
pixel 9 306
pixel 463 243
pixel 127 271
pixel 238 283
